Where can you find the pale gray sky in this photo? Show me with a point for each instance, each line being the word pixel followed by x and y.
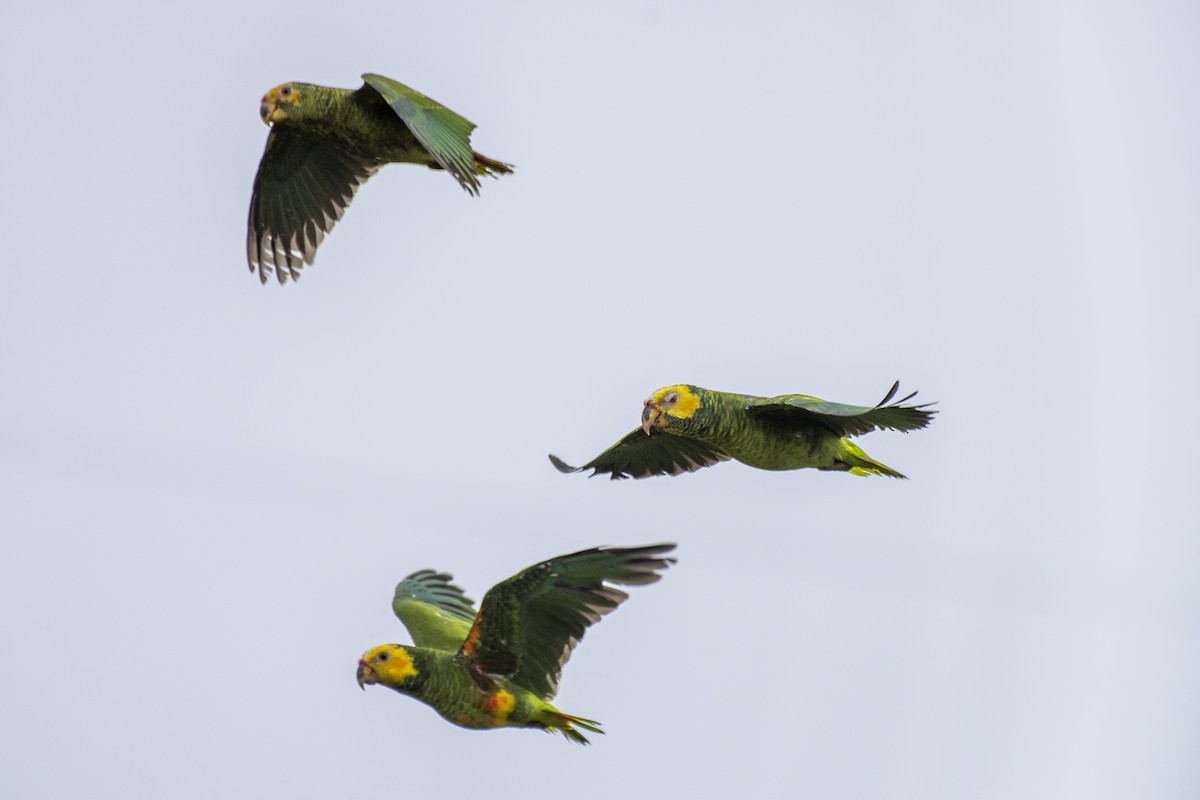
pixel 210 487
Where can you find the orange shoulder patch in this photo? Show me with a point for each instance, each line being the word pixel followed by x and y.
pixel 468 645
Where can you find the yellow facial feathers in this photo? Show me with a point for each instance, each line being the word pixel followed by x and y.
pixel 685 401
pixel 286 92
pixel 390 663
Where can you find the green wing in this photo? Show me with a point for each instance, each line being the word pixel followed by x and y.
pixel 445 134
pixel 802 411
pixel 435 611
pixel 641 456
pixel 528 625
pixel 302 188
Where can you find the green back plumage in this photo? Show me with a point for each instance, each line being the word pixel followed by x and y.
pixel 842 419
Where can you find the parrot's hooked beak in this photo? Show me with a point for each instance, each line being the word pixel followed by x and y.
pixel 365 675
pixel 269 110
pixel 651 417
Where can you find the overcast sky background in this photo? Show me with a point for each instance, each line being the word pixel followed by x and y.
pixel 208 488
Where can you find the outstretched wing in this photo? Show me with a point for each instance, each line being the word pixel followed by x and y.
pixel 435 611
pixel 303 186
pixel 445 134
pixel 528 625
pixel 641 456
pixel 802 411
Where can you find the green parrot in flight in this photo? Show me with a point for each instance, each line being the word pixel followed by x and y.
pixel 685 428
pixel 325 142
pixel 499 667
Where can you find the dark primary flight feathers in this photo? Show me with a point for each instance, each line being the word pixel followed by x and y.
pixel 528 625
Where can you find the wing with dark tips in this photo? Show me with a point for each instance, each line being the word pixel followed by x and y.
pixel 803 412
pixel 641 456
pixel 528 625
pixel 302 188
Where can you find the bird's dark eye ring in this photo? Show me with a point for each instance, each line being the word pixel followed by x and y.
pixel 285 91
pixel 382 657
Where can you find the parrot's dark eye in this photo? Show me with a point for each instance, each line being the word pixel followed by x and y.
pixel 381 657
pixel 671 399
pixel 285 91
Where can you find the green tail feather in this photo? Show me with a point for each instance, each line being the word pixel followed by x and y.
pixel 859 463
pixel 490 166
pixel 563 723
